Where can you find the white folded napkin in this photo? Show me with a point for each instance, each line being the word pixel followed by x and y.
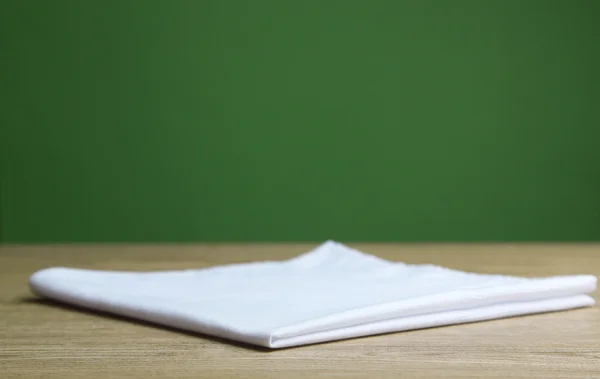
pixel 330 293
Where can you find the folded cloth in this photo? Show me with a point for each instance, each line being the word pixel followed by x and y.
pixel 330 293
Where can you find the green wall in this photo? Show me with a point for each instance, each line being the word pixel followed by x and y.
pixel 357 120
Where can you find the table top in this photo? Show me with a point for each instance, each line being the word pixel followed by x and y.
pixel 39 338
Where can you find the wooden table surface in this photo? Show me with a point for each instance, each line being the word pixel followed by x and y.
pixel 39 338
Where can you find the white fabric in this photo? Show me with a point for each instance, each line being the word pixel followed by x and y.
pixel 330 293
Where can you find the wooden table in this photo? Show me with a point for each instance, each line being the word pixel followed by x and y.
pixel 41 339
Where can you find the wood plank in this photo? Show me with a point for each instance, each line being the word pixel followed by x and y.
pixel 39 338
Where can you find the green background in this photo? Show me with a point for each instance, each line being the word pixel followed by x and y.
pixel 286 120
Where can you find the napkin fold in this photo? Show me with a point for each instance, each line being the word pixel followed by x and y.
pixel 332 292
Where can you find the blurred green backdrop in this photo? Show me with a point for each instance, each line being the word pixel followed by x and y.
pixel 286 120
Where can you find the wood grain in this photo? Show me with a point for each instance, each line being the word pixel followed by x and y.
pixel 39 338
